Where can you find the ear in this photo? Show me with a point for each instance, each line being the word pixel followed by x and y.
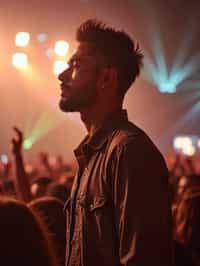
pixel 108 78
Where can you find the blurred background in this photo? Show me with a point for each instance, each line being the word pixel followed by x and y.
pixel 165 100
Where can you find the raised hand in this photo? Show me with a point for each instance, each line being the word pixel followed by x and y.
pixel 17 141
pixel 21 183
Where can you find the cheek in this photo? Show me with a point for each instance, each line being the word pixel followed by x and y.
pixel 78 78
pixel 81 78
pixel 74 74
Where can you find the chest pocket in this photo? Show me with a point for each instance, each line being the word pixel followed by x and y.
pixel 92 204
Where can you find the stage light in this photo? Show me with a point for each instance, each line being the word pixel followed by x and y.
pixel 189 150
pixel 20 60
pixel 169 87
pixel 60 66
pixel 168 78
pixel 42 37
pixel 50 52
pixel 185 144
pixel 4 158
pixel 22 39
pixel 61 48
pixel 27 144
pixel 182 141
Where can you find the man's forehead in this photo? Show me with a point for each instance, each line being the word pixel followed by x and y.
pixel 83 49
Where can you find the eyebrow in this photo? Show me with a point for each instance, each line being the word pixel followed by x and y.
pixel 75 58
pixel 78 58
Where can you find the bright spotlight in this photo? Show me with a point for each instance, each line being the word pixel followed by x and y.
pixel 168 87
pixel 156 67
pixel 189 150
pixel 27 144
pixel 60 66
pixel 22 39
pixel 20 60
pixel 61 48
pixel 182 141
pixel 185 145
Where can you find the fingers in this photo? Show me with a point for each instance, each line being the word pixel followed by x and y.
pixel 19 134
pixel 17 130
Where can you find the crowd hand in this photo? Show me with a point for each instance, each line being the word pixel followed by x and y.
pixel 17 141
pixel 44 158
pixel 21 182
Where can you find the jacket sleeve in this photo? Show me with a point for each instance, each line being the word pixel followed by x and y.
pixel 141 207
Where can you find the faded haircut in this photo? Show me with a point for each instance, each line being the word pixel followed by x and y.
pixel 116 47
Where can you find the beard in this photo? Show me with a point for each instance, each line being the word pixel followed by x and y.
pixel 75 104
pixel 79 98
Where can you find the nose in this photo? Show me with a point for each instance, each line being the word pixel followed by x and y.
pixel 65 75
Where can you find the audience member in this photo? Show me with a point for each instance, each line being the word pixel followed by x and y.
pixel 187 221
pixel 51 212
pixel 24 240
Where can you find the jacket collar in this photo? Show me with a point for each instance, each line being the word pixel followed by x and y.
pixel 91 144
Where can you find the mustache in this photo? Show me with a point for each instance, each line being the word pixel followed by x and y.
pixel 65 84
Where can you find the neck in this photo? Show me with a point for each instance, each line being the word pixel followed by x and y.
pixel 93 118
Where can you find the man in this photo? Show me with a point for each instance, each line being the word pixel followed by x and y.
pixel 118 212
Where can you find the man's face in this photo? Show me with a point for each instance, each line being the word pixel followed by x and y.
pixel 78 81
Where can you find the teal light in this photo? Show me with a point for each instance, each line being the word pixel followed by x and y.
pixel 159 76
pixel 166 78
pixel 167 87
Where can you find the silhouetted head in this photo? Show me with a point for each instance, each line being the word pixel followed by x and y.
pixel 186 182
pixel 39 186
pixel 105 64
pixel 187 219
pixel 59 191
pixel 24 239
pixel 51 212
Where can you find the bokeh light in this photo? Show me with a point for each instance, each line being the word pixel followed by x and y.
pixel 49 52
pixel 189 150
pixel 42 37
pixel 22 39
pixel 61 48
pixel 20 60
pixel 4 158
pixel 185 144
pixel 59 66
pixel 27 144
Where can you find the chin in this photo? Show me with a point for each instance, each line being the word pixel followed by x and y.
pixel 67 107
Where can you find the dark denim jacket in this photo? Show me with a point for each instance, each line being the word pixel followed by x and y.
pixel 118 212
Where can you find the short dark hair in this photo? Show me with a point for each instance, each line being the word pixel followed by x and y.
pixel 118 49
